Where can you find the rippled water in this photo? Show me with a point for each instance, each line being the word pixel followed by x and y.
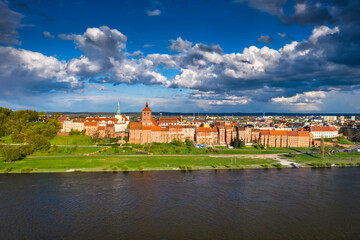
pixel 237 204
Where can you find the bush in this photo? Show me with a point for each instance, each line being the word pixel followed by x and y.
pixel 182 167
pixel 214 166
pixel 351 164
pixel 141 168
pixel 341 164
pixel 7 169
pixel 241 167
pixel 115 168
pixel 266 165
pixel 228 165
pixel 125 168
pixel 26 170
pixel 189 167
pixel 279 165
pixel 11 153
pixel 176 142
pixel 318 164
pixel 328 164
pixel 104 169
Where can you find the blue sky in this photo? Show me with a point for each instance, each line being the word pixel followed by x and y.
pixel 181 56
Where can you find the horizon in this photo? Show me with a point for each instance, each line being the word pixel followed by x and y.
pixel 218 57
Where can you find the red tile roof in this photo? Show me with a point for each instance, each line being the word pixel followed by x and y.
pixel 323 129
pixel 135 125
pixel 90 123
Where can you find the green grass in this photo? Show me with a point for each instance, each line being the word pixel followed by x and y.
pixel 6 139
pixel 345 157
pixel 97 163
pixel 340 140
pixel 61 151
pixel 72 140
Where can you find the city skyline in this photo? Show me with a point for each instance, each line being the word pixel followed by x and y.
pixel 181 56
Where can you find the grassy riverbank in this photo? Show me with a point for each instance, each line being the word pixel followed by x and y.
pixel 131 163
pixel 340 157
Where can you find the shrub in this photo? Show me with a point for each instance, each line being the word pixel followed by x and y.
pixel 189 167
pixel 266 165
pixel 228 165
pixel 7 169
pixel 115 168
pixel 125 168
pixel 104 169
pixel 318 164
pixel 351 164
pixel 11 153
pixel 279 165
pixel 182 167
pixel 241 167
pixel 328 164
pixel 358 164
pixel 214 166
pixel 26 170
pixel 342 164
pixel 176 142
pixel 141 168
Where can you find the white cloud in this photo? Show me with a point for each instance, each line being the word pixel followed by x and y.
pixel 321 31
pixel 48 35
pixel 155 12
pixel 179 45
pixel 307 101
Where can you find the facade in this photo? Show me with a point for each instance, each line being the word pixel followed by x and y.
pixel 103 126
pixel 276 138
pixel 324 132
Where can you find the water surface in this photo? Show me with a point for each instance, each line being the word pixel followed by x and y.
pixel 238 204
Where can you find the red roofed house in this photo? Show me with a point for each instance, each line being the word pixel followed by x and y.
pixel 325 132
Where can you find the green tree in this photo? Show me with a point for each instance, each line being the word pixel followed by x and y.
pixel 10 153
pixel 322 148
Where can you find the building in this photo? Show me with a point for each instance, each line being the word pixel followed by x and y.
pixel 324 132
pixel 280 138
pixel 100 126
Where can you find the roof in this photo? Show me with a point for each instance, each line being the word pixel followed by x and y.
pixel 292 133
pixel 135 125
pixel 146 109
pixel 62 119
pixel 204 129
pixel 153 121
pixel 278 132
pixel 169 120
pixel 90 123
pixel 323 129
pixel 156 128
pixel 124 117
pixel 99 119
pixel 264 132
pixel 79 120
pixel 101 127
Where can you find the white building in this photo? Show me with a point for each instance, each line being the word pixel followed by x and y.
pixel 324 132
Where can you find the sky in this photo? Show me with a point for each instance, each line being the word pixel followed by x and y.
pixel 181 55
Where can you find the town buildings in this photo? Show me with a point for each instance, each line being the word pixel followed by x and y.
pixel 324 132
pixel 97 126
pixel 214 133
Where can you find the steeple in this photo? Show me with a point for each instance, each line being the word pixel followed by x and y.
pixel 146 105
pixel 118 112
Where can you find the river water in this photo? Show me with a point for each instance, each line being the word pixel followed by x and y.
pixel 216 204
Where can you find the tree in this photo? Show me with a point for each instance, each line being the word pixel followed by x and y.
pixel 322 148
pixel 10 153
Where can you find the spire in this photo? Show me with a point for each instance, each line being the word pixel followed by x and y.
pixel 146 105
pixel 118 112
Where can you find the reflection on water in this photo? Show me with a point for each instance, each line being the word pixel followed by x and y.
pixel 238 204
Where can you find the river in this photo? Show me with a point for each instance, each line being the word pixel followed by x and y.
pixel 216 204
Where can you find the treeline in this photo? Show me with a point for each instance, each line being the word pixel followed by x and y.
pixel 352 134
pixel 28 127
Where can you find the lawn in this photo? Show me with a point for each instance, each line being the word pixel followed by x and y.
pixel 72 140
pixel 97 163
pixel 6 139
pixel 345 157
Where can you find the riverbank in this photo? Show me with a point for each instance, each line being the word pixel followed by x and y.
pixel 57 164
pixel 133 163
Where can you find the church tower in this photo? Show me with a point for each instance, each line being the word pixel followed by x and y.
pixel 118 113
pixel 146 117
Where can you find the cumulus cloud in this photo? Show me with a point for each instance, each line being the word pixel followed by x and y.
pixel 307 101
pixel 26 71
pixel 48 35
pixel 213 98
pixel 10 22
pixel 179 45
pixel 266 39
pixel 155 12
